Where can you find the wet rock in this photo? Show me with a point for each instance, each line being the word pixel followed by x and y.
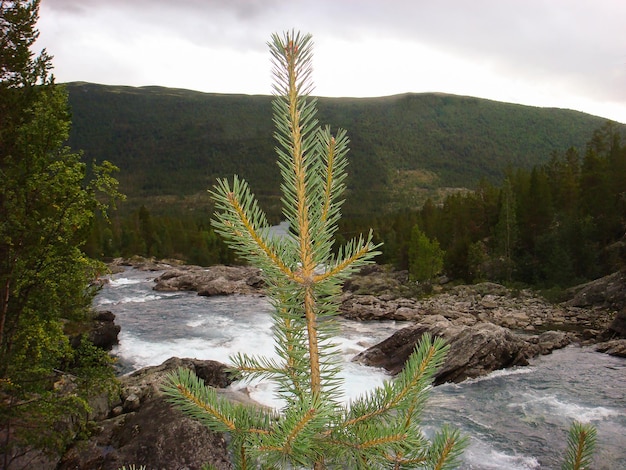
pixel 147 431
pixel 615 347
pixel 474 350
pixel 618 325
pixel 104 332
pixel 548 341
pixel 214 280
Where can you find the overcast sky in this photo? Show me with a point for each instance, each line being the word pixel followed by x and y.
pixel 555 53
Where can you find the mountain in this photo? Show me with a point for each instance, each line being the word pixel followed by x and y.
pixel 171 144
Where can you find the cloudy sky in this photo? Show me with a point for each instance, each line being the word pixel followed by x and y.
pixel 555 53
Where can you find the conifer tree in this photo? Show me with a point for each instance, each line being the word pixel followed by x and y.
pixel 425 256
pixel 314 429
pixel 506 231
pixel 581 443
pixel 48 200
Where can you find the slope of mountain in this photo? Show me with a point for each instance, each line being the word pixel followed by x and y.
pixel 172 144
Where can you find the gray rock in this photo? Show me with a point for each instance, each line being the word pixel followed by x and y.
pixel 474 350
pixel 102 331
pixel 148 431
pixel 618 325
pixel 214 280
pixel 608 291
pixel 615 347
pixel 548 341
pixel 131 403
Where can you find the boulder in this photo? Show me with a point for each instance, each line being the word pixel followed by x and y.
pixel 606 292
pixel 617 328
pixel 474 350
pixel 104 333
pixel 222 286
pixel 614 347
pixel 376 279
pixel 548 341
pixel 214 280
pixel 143 429
pixel 101 330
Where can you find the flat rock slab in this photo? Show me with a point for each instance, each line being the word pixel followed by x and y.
pixel 214 280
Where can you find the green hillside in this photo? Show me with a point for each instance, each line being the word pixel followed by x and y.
pixel 172 144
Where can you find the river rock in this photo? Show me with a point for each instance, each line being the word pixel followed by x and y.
pixel 474 350
pixel 214 280
pixel 142 263
pixel 522 310
pixel 376 279
pixel 606 292
pixel 618 325
pixel 149 431
pixel 104 333
pixel 548 341
pixel 100 330
pixel 615 347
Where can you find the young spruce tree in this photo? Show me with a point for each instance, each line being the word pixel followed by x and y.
pixel 314 429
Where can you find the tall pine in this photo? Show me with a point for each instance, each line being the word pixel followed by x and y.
pixel 46 206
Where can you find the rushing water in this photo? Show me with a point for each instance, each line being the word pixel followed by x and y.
pixel 516 419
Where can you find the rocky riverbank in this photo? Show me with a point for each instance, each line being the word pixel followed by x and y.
pixel 138 427
pixel 488 327
pixel 481 321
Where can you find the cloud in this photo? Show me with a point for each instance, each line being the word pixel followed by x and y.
pixel 552 48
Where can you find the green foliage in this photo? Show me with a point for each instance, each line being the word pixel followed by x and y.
pixel 304 276
pixel 47 203
pixel 184 237
pixel 42 421
pixel 177 142
pixel 581 443
pixel 557 225
pixel 425 256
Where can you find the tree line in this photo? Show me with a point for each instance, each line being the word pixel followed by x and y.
pixel 556 224
pixel 140 233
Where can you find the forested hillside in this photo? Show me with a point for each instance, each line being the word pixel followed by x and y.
pixel 561 223
pixel 172 144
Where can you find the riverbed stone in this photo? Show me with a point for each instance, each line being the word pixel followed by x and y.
pixel 148 431
pixel 474 350
pixel 214 280
pixel 615 347
pixel 618 325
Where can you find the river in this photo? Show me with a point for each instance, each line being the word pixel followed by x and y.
pixel 516 419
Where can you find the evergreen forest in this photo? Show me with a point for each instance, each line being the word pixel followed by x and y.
pixel 499 192
pixel 172 145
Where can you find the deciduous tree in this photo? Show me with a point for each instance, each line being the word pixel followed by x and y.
pixel 425 256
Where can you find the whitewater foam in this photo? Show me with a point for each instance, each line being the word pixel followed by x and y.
pixel 537 405
pixel 481 456
pixel 124 281
pixel 502 373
